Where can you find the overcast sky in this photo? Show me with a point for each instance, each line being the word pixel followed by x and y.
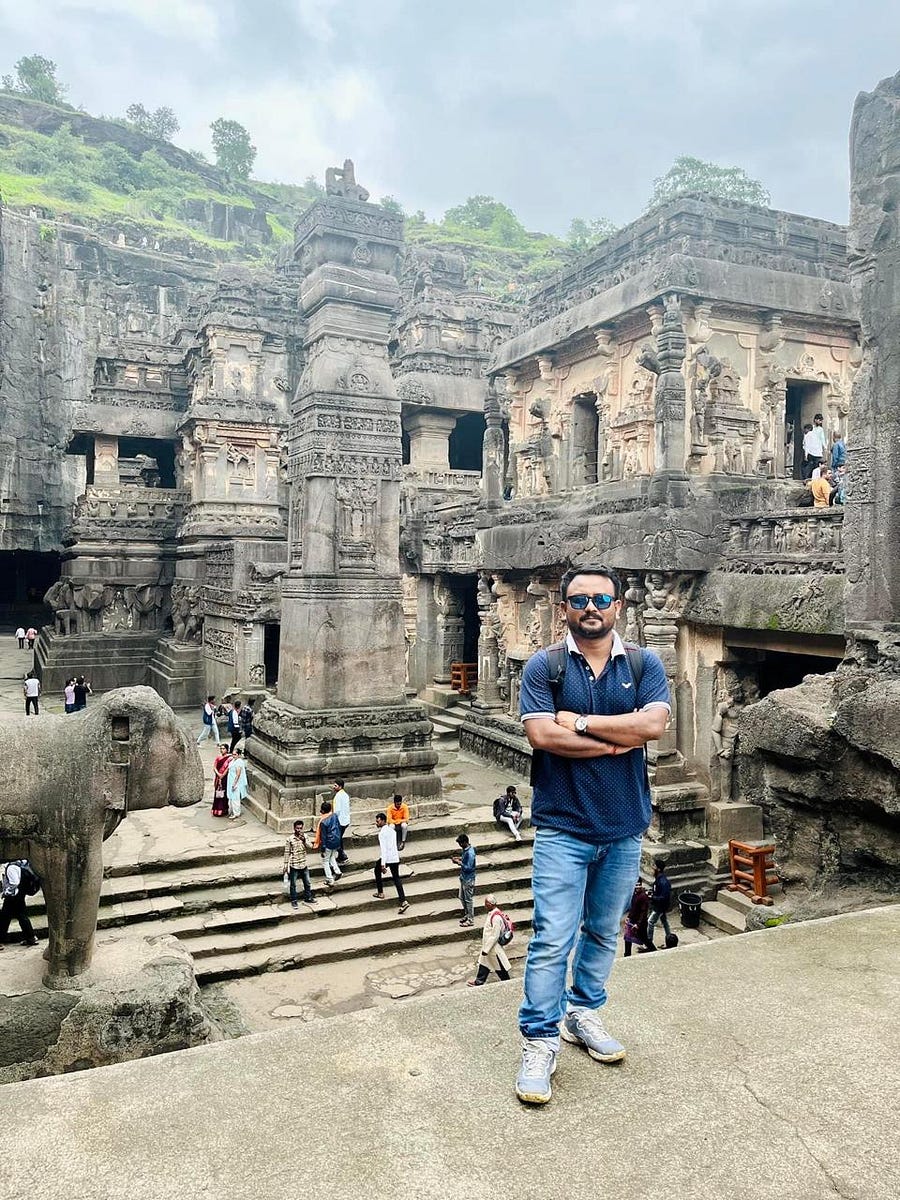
pixel 560 109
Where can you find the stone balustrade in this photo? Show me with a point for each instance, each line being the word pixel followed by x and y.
pixel 122 512
pixel 436 479
pixel 793 542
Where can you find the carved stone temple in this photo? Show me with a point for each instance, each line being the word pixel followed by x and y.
pixel 348 475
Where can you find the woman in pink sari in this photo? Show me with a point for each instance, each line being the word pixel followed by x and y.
pixel 220 781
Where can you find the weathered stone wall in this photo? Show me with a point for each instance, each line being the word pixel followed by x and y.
pixel 65 295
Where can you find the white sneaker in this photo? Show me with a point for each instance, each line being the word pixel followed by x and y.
pixel 584 1027
pixel 538 1065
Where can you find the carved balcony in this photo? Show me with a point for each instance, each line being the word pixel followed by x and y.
pixel 120 513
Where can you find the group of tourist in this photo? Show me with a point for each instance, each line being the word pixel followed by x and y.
pixel 824 468
pixel 229 782
pixel 23 635
pixel 238 717
pixel 647 910
pixel 75 694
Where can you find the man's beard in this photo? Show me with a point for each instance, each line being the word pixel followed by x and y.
pixel 592 633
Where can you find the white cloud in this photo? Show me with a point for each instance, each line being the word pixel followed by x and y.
pixel 194 19
pixel 316 17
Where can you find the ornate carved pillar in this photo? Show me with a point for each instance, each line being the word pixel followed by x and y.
pixel 450 629
pixel 492 464
pixel 669 481
pixel 106 461
pixel 488 691
pixel 664 600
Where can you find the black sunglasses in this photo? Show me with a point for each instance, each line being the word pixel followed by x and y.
pixel 600 600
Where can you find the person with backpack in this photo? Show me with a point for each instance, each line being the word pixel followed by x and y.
pixel 328 840
pixel 508 812
pixel 589 706
pixel 496 935
pixel 660 902
pixel 235 728
pixel 18 881
pixel 209 728
pixel 247 721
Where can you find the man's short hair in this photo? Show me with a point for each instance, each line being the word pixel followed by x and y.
pixel 463 840
pixel 660 862
pixel 296 823
pixel 511 788
pixel 339 782
pixel 325 806
pixel 382 817
pixel 572 572
pixel 398 799
pixel 818 417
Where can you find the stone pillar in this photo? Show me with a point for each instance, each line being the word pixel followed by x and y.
pixel 450 629
pixel 429 439
pixel 492 451
pixel 872 515
pixel 488 690
pixel 669 481
pixel 106 461
pixel 342 665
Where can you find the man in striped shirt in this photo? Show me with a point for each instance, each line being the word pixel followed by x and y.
pixel 295 865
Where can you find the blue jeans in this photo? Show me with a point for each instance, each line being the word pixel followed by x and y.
pixel 652 923
pixel 302 873
pixel 575 883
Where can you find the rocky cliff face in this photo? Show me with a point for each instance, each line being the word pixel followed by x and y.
pixel 65 295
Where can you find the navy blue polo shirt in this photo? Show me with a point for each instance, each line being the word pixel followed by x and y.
pixel 597 799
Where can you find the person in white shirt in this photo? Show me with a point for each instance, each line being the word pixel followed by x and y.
pixel 209 728
pixel 31 689
pixel 815 445
pixel 341 805
pixel 20 634
pixel 389 861
pixel 13 902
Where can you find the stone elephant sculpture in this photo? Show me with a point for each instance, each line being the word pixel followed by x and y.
pixel 68 782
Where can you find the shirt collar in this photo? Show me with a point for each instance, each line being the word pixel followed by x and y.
pixel 618 646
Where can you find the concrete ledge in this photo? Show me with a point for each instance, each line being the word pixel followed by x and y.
pixel 765 1066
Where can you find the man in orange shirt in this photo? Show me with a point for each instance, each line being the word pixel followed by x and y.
pixel 821 489
pixel 398 817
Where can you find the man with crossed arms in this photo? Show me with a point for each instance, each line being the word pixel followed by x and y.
pixel 590 808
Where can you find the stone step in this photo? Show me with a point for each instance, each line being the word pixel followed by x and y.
pixel 409 931
pixel 739 901
pixel 723 917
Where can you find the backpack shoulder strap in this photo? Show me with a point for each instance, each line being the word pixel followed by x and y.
pixel 557 661
pixel 636 663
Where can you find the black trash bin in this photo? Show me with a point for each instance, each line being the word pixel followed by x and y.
pixel 689 903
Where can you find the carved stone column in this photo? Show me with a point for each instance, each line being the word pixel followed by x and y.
pixel 106 461
pixel 342 677
pixel 450 629
pixel 429 439
pixel 669 481
pixel 492 470
pixel 488 690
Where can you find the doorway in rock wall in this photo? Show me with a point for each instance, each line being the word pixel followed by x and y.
pixel 802 401
pixel 782 660
pixel 271 649
pixel 466 443
pixel 465 588
pixel 585 430
pixel 779 670
pixel 25 576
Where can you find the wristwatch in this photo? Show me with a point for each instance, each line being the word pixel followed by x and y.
pixel 581 725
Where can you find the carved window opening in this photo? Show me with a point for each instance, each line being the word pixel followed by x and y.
pixel 802 401
pixel 466 443
pixel 585 434
pixel 404 448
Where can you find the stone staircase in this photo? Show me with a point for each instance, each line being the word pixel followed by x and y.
pixel 447 711
pixel 230 912
pixel 728 912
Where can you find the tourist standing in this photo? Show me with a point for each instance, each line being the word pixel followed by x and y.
pixel 389 860
pixel 635 931
pixel 341 805
pixel 221 763
pixel 17 881
pixel 20 637
pixel 492 956
pixel 660 901
pixel 234 724
pixel 838 450
pixel 209 728
pixel 31 636
pixel 236 784
pixel 328 838
pixel 81 691
pixel 589 709
pixel 814 445
pixel 296 865
pixel 31 689
pixel 247 721
pixel 398 819
pixel 69 695
pixel 508 812
pixel 465 860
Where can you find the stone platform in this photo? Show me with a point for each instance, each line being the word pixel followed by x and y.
pixel 763 1066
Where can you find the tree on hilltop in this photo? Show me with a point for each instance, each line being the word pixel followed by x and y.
pixel 694 176
pixel 160 123
pixel 36 78
pixel 392 205
pixel 585 234
pixel 487 214
pixel 234 152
